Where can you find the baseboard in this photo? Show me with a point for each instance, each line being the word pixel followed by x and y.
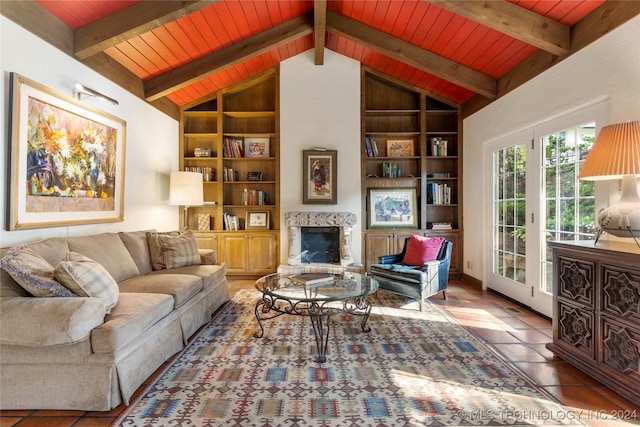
pixel 472 280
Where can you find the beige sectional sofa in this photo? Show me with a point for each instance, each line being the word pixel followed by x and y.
pixel 76 352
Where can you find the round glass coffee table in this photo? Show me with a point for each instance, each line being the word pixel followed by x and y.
pixel 329 294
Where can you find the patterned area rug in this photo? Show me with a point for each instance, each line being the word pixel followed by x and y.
pixel 412 369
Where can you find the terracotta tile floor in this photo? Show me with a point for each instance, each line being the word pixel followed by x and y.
pixel 514 332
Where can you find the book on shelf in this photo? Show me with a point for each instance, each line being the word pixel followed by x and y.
pixel 230 174
pixel 390 170
pixel 441 226
pixel 374 147
pixel 439 147
pixel 438 194
pixel 232 147
pixel 230 221
pixel 252 197
pixel 368 151
pixel 312 278
pixel 208 173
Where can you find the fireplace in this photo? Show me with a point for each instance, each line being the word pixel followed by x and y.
pixel 320 239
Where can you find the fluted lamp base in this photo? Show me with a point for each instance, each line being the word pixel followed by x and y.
pixel 623 218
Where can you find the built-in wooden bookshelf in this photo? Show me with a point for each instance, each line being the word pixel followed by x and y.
pixel 419 136
pixel 237 180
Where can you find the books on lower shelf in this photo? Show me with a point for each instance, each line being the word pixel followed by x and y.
pixel 371 147
pixel 232 147
pixel 439 147
pixel 208 173
pixel 230 222
pixel 312 278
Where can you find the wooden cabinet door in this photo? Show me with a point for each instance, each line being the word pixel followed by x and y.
pixel 262 249
pixel 455 268
pixel 206 240
pixel 376 245
pixel 234 252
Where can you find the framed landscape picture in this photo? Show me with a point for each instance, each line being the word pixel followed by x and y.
pixel 400 148
pixel 67 160
pixel 320 180
pixel 392 208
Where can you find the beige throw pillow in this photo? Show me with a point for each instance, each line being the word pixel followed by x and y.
pixel 169 250
pixel 33 273
pixel 87 278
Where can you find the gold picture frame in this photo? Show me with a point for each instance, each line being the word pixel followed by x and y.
pixel 400 148
pixel 67 160
pixel 320 177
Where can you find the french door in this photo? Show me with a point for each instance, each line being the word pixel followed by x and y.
pixel 537 197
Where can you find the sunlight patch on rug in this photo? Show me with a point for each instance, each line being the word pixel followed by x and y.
pixel 413 369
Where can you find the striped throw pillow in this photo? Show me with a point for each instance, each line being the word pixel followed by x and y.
pixel 87 278
pixel 179 251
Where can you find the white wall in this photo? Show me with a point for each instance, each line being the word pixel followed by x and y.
pixel 607 69
pixel 320 106
pixel 151 137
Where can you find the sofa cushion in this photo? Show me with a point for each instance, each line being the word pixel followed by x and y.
pixel 171 251
pixel 36 322
pixel 133 314
pixel 180 286
pixel 85 277
pixel 422 249
pixel 33 273
pixel 53 249
pixel 109 251
pixel 407 273
pixel 136 243
pixel 210 274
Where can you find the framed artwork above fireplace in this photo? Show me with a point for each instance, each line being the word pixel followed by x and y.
pixel 320 180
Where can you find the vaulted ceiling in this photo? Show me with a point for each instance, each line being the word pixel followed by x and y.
pixel 172 53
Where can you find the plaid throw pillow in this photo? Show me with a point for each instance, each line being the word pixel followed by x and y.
pixel 173 250
pixel 87 278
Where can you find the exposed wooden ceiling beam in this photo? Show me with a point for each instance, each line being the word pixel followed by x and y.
pixel 609 16
pixel 411 55
pixel 516 21
pixel 130 22
pixel 238 52
pixel 35 19
pixel 319 28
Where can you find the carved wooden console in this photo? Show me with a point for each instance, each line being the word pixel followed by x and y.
pixel 596 311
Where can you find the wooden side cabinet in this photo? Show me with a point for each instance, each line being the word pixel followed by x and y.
pixel 596 311
pixel 249 253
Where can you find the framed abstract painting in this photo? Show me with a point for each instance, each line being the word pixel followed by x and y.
pixel 66 160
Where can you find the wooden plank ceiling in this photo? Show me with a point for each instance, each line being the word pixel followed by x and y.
pixel 467 52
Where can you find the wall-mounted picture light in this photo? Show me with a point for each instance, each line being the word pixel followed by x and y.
pixel 79 91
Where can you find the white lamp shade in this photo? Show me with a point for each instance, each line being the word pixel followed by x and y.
pixel 185 189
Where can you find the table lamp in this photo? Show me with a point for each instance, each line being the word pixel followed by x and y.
pixel 616 155
pixel 185 189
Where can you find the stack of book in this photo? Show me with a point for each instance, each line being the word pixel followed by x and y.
pixel 441 226
pixel 202 152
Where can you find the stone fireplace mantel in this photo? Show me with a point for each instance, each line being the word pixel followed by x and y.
pixel 296 220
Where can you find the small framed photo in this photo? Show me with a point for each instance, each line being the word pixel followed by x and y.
pixel 257 221
pixel 392 208
pixel 400 148
pixel 256 147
